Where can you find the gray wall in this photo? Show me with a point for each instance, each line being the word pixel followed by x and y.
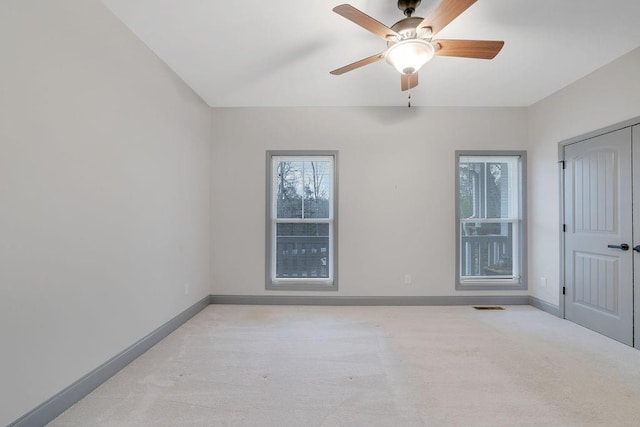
pixel 104 195
pixel 397 181
pixel 605 97
pixel 396 197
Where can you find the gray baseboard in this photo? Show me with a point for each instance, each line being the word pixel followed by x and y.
pixel 59 403
pixel 544 306
pixel 380 300
pixel 62 401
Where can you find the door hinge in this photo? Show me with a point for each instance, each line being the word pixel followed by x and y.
pixel 563 164
pixel 564 290
pixel 564 228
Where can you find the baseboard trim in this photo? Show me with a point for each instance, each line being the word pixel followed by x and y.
pixel 56 405
pixel 49 410
pixel 544 306
pixel 370 301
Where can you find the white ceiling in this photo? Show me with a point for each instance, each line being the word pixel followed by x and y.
pixel 279 52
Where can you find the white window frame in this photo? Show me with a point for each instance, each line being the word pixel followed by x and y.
pixel 516 216
pixel 329 283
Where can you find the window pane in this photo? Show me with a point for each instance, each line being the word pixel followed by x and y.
pixel 317 189
pixel 486 249
pixel 303 188
pixel 471 191
pixel 289 185
pixel 497 185
pixel 486 187
pixel 302 250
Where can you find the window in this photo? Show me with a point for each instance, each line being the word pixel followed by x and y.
pixel 301 220
pixel 490 220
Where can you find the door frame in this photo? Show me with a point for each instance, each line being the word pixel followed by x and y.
pixel 561 158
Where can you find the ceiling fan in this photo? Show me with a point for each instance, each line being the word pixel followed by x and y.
pixel 410 42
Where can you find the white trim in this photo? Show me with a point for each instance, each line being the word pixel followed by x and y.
pixel 274 158
pixel 516 216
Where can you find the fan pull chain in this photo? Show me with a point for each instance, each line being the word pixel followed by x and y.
pixel 408 92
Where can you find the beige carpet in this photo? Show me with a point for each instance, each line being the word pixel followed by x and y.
pixel 372 366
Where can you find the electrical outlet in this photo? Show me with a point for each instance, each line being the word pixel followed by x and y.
pixel 187 288
pixel 543 282
pixel 407 279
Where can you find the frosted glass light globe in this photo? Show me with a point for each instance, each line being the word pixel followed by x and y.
pixel 408 56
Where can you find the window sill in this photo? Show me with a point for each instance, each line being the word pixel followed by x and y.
pixel 302 285
pixel 491 285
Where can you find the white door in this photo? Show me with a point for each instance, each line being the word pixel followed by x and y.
pixel 598 237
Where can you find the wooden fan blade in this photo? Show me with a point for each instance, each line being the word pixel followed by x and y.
pixel 447 11
pixel 357 64
pixel 408 81
pixel 481 49
pixel 365 21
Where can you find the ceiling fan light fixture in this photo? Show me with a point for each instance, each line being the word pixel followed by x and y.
pixel 409 55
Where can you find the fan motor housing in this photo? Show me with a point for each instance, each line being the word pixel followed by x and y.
pixel 406 28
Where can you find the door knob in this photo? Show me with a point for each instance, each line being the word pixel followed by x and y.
pixel 623 246
pixel 636 248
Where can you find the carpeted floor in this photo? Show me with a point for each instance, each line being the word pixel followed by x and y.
pixel 372 366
